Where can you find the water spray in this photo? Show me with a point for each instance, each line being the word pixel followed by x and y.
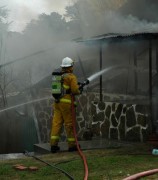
pixel 93 77
pixel 29 102
pixel 97 74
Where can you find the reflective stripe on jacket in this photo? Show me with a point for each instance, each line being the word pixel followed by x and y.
pixel 66 101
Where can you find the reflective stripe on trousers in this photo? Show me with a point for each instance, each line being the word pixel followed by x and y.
pixel 55 137
pixel 70 139
pixel 62 115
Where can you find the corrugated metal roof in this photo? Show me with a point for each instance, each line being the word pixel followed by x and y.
pixel 113 36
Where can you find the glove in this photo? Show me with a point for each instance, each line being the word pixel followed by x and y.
pixel 80 87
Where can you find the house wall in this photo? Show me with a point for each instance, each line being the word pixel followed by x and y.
pixel 17 130
pixel 108 119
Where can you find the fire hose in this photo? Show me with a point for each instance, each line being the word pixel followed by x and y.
pixel 142 174
pixel 59 169
pixel 77 144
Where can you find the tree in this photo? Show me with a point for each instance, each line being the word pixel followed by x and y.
pixel 47 28
pixel 90 15
pixel 4 81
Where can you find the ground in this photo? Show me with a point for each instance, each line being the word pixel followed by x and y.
pixel 103 164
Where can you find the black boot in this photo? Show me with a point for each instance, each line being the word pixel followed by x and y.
pixel 73 148
pixel 54 149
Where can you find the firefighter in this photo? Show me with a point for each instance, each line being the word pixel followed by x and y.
pixel 62 108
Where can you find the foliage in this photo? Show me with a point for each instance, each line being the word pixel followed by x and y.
pixel 47 26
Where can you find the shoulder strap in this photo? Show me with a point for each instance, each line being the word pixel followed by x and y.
pixel 65 74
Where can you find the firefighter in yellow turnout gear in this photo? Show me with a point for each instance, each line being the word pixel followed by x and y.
pixel 62 108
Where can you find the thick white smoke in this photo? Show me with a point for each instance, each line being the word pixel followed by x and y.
pixel 101 17
pixel 117 23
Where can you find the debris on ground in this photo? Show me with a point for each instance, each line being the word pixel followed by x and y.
pixel 21 167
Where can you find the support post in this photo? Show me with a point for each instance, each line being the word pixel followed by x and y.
pixel 101 85
pixel 150 85
pixel 135 73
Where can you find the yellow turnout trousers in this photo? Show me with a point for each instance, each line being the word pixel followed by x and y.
pixel 62 115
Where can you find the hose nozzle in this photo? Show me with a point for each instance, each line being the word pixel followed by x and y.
pixel 86 82
pixel 81 85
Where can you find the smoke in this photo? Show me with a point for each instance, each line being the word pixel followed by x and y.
pixel 117 23
pixel 142 14
pixel 23 12
pixel 127 17
pixel 56 7
pixel 52 35
pixel 142 9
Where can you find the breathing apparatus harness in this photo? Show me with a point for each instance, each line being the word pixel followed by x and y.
pixel 58 88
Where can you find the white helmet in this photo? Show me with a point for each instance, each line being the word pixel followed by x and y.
pixel 67 62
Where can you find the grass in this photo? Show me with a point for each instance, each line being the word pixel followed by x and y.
pixel 105 164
